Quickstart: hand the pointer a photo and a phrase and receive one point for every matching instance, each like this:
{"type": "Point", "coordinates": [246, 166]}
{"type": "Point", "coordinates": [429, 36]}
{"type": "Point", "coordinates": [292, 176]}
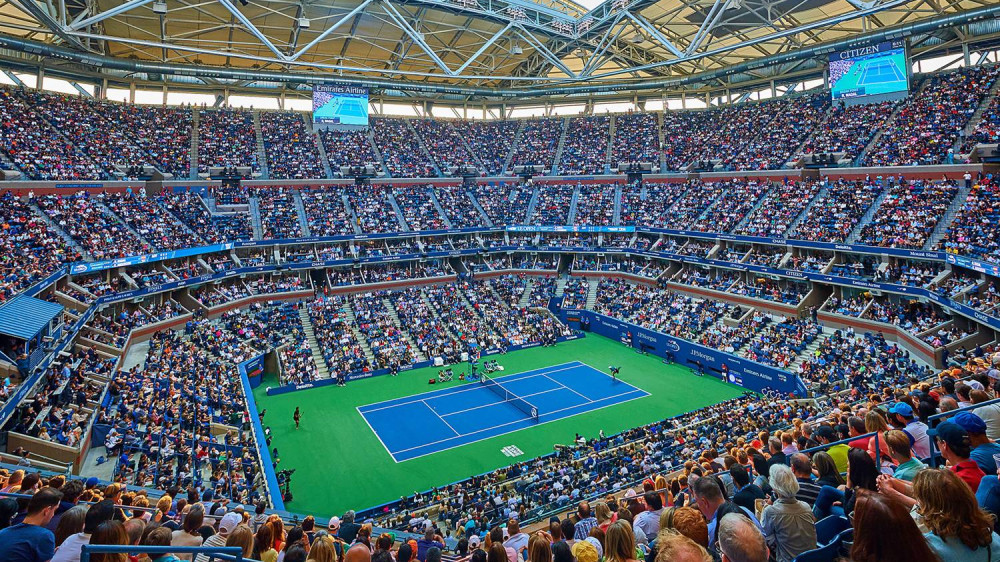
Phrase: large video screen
{"type": "Point", "coordinates": [340, 105]}
{"type": "Point", "coordinates": [870, 71]}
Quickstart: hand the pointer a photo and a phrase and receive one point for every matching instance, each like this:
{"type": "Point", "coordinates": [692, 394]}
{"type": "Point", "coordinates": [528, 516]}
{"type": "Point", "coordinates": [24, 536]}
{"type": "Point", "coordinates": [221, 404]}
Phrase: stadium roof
{"type": "Point", "coordinates": [463, 46]}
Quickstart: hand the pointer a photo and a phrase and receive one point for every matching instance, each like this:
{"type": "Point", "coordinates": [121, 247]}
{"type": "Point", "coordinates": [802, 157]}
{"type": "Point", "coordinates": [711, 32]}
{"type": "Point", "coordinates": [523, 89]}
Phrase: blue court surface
{"type": "Point", "coordinates": [879, 73]}
{"type": "Point", "coordinates": [431, 422]}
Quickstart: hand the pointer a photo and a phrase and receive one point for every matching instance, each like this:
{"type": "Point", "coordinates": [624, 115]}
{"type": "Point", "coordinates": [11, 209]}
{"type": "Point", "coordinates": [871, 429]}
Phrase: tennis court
{"type": "Point", "coordinates": [880, 72]}
{"type": "Point", "coordinates": [431, 422]}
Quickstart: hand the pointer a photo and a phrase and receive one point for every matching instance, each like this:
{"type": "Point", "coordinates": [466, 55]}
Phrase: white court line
{"type": "Point", "coordinates": [473, 386]}
{"type": "Point", "coordinates": [491, 404]}
{"type": "Point", "coordinates": [570, 389]}
{"type": "Point", "coordinates": [377, 436]}
{"type": "Point", "coordinates": [441, 418]}
{"type": "Point", "coordinates": [644, 395]}
{"type": "Point", "coordinates": [519, 421]}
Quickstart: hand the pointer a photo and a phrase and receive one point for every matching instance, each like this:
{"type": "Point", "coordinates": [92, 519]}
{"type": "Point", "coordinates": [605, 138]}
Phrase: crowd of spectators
{"type": "Point", "coordinates": [290, 149]}
{"type": "Point", "coordinates": [85, 220]}
{"type": "Point", "coordinates": [772, 146]}
{"type": "Point", "coordinates": [372, 209]}
{"type": "Point", "coordinates": [154, 225]}
{"type": "Point", "coordinates": [491, 141]}
{"type": "Point", "coordinates": [226, 138]}
{"type": "Point", "coordinates": [908, 214]}
{"type": "Point", "coordinates": [595, 205]}
{"type": "Point", "coordinates": [338, 344]}
{"type": "Point", "coordinates": [553, 205]}
{"type": "Point", "coordinates": [326, 213]}
{"type": "Point", "coordinates": [29, 249]}
{"type": "Point", "coordinates": [389, 346]}
{"type": "Point", "coordinates": [212, 228]}
{"type": "Point", "coordinates": [973, 231]}
{"type": "Point", "coordinates": [849, 128]}
{"type": "Point", "coordinates": [458, 207]}
{"type": "Point", "coordinates": [348, 148]}
{"type": "Point", "coordinates": [924, 130]}
{"type": "Point", "coordinates": [418, 208]}
{"type": "Point", "coordinates": [400, 149]}
{"type": "Point", "coordinates": [780, 343]}
{"type": "Point", "coordinates": [781, 206]}
{"type": "Point", "coordinates": [586, 148]}
{"type": "Point", "coordinates": [834, 215]}
{"type": "Point", "coordinates": [443, 143]}
{"type": "Point", "coordinates": [646, 204]}
{"type": "Point", "coordinates": [537, 143]}
{"type": "Point", "coordinates": [637, 139]}
{"type": "Point", "coordinates": [738, 198]}
{"type": "Point", "coordinates": [279, 216]}
{"type": "Point", "coordinates": [36, 148]}
{"type": "Point", "coordinates": [505, 204]}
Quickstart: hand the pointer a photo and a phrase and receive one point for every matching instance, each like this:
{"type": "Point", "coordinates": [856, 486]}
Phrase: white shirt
{"type": "Point", "coordinates": [69, 550]}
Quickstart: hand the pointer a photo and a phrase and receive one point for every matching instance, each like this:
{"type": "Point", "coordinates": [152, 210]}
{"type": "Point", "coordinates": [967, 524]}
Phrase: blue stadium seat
{"type": "Point", "coordinates": [828, 528]}
{"type": "Point", "coordinates": [826, 553]}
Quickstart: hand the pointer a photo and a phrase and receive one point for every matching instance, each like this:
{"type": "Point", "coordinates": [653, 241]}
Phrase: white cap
{"type": "Point", "coordinates": [229, 522]}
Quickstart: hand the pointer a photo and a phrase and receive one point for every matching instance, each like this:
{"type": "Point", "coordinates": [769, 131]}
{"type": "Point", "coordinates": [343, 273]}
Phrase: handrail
{"type": "Point", "coordinates": [227, 553]}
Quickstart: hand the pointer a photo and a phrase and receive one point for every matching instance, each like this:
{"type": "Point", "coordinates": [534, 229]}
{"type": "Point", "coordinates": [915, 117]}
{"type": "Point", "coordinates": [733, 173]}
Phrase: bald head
{"type": "Point", "coordinates": [583, 510]}
{"type": "Point", "coordinates": [358, 553]}
{"type": "Point", "coordinates": [741, 540]}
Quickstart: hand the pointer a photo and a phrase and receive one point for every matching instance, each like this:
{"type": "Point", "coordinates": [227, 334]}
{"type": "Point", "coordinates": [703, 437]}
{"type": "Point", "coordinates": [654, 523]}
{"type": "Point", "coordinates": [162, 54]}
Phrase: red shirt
{"type": "Point", "coordinates": [969, 472]}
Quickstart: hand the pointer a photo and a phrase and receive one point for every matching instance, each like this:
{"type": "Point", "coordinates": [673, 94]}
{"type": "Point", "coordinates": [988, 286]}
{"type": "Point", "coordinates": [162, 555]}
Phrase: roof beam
{"type": "Point", "coordinates": [250, 27]}
{"type": "Point", "coordinates": [484, 46]}
{"type": "Point", "coordinates": [330, 29]}
{"type": "Point", "coordinates": [655, 33]}
{"type": "Point", "coordinates": [110, 13]}
{"type": "Point", "coordinates": [414, 35]}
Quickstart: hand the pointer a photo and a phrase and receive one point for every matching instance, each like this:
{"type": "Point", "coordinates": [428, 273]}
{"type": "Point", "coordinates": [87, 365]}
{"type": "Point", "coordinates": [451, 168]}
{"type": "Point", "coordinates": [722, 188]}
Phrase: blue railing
{"type": "Point", "coordinates": [227, 553]}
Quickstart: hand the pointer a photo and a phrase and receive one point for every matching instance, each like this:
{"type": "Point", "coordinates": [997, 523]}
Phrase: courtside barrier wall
{"type": "Point", "coordinates": [735, 370]}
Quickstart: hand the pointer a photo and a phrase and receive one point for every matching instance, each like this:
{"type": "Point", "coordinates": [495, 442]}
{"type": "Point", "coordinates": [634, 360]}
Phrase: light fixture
{"type": "Point", "coordinates": [304, 23]}
{"type": "Point", "coordinates": [516, 50]}
{"type": "Point", "coordinates": [160, 8]}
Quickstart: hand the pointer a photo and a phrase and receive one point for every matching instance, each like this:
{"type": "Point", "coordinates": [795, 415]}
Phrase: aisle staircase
{"type": "Point", "coordinates": [525, 299]}
{"type": "Point", "coordinates": [62, 233]}
{"type": "Point", "coordinates": [195, 119]}
{"type": "Point", "coordinates": [318, 139]}
{"type": "Point", "coordinates": [370, 135]}
{"type": "Point", "coordinates": [358, 334]}
{"type": "Point", "coordinates": [439, 208]}
{"type": "Point", "coordinates": [475, 203]}
{"type": "Point", "coordinates": [300, 211]}
{"type": "Point", "coordinates": [868, 216]}
{"type": "Point", "coordinates": [417, 353]}
{"type": "Point", "coordinates": [592, 293]}
{"type": "Point", "coordinates": [823, 192]}
{"type": "Point", "coordinates": [941, 228]}
{"type": "Point", "coordinates": [261, 151]}
{"type": "Point", "coordinates": [423, 147]}
{"type": "Point", "coordinates": [258, 227]}
{"type": "Point", "coordinates": [309, 331]}
{"type": "Point", "coordinates": [554, 165]}
{"type": "Point", "coordinates": [612, 124]}
{"type": "Point", "coordinates": [573, 205]}
{"type": "Point", "coordinates": [513, 147]}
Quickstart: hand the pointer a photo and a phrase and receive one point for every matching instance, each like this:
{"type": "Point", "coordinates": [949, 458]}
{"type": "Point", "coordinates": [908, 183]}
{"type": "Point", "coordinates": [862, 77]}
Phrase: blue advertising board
{"type": "Point", "coordinates": [735, 370]}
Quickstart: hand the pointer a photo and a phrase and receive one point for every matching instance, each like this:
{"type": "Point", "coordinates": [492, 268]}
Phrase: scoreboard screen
{"type": "Point", "coordinates": [872, 70]}
{"type": "Point", "coordinates": [340, 105]}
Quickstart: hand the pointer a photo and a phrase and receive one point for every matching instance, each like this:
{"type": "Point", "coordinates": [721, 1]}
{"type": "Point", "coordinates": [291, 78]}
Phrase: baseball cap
{"type": "Point", "coordinates": [951, 433]}
{"type": "Point", "coordinates": [92, 481]}
{"type": "Point", "coordinates": [334, 522]}
{"type": "Point", "coordinates": [473, 541]}
{"type": "Point", "coordinates": [970, 422]}
{"type": "Point", "coordinates": [826, 432]}
{"type": "Point", "coordinates": [902, 408]}
{"type": "Point", "coordinates": [229, 522]}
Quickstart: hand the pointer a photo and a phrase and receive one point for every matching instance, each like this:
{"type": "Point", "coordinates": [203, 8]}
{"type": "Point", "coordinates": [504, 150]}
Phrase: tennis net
{"type": "Point", "coordinates": [520, 403]}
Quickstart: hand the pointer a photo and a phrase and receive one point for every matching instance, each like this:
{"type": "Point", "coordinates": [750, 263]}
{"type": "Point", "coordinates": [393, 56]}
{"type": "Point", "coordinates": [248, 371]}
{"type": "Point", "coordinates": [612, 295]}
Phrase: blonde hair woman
{"type": "Point", "coordinates": [242, 537]}
{"type": "Point", "coordinates": [619, 543]}
{"type": "Point", "coordinates": [603, 514]}
{"type": "Point", "coordinates": [323, 550]}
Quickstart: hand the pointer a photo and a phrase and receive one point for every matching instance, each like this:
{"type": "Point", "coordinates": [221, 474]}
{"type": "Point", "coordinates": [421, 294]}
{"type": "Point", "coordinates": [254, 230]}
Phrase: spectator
{"type": "Point", "coordinates": [263, 545]}
{"type": "Point", "coordinates": [789, 525]}
{"type": "Point", "coordinates": [675, 547]}
{"type": "Point", "coordinates": [98, 513]}
{"type": "Point", "coordinates": [189, 534]}
{"type": "Point", "coordinates": [740, 540]}
{"type": "Point", "coordinates": [861, 474]}
{"type": "Point", "coordinates": [907, 466]}
{"type": "Point", "coordinates": [802, 468]}
{"type": "Point", "coordinates": [713, 505]}
{"type": "Point", "coordinates": [958, 528]}
{"type": "Point", "coordinates": [159, 536]}
{"type": "Point", "coordinates": [585, 521]}
{"type": "Point", "coordinates": [956, 447]}
{"type": "Point", "coordinates": [70, 523]}
{"type": "Point", "coordinates": [619, 543]}
{"type": "Point", "coordinates": [110, 533]}
{"type": "Point", "coordinates": [885, 532]}
{"type": "Point", "coordinates": [30, 540]}
{"type": "Point", "coordinates": [431, 540]}
{"type": "Point", "coordinates": [983, 450]}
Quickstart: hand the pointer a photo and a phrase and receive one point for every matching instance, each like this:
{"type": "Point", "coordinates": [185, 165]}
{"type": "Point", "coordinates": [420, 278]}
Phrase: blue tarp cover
{"type": "Point", "coordinates": [24, 317]}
